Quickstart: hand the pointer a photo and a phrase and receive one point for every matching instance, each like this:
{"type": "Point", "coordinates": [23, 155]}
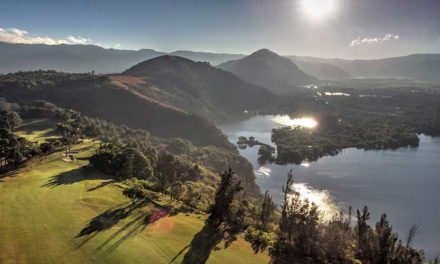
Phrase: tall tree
{"type": "Point", "coordinates": [363, 234]}
{"type": "Point", "coordinates": [176, 190]}
{"type": "Point", "coordinates": [386, 240]}
{"type": "Point", "coordinates": [267, 210]}
{"type": "Point", "coordinates": [9, 119]}
{"type": "Point", "coordinates": [284, 221]}
{"type": "Point", "coordinates": [299, 232]}
{"type": "Point", "coordinates": [224, 196]}
{"type": "Point", "coordinates": [69, 134]}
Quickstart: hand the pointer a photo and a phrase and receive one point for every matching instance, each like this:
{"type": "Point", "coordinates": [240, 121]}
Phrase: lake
{"type": "Point", "coordinates": [404, 183]}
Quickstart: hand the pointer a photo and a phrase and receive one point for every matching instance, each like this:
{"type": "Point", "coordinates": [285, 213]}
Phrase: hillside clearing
{"type": "Point", "coordinates": [37, 130]}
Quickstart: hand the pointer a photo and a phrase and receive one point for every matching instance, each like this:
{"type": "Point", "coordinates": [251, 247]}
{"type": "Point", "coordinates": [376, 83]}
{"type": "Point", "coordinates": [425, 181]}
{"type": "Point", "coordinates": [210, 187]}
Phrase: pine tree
{"type": "Point", "coordinates": [363, 234]}
{"type": "Point", "coordinates": [267, 209]}
{"type": "Point", "coordinates": [224, 197]}
{"type": "Point", "coordinates": [284, 221]}
{"type": "Point", "coordinates": [386, 240]}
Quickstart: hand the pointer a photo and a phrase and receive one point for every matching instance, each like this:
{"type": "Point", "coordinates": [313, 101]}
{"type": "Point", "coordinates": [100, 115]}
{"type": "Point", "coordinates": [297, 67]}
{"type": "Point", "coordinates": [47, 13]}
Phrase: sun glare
{"type": "Point", "coordinates": [285, 120]}
{"type": "Point", "coordinates": [318, 8]}
{"type": "Point", "coordinates": [322, 198]}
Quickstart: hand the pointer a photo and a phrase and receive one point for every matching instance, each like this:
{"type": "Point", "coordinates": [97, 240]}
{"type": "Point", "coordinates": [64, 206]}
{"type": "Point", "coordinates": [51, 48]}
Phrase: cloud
{"type": "Point", "coordinates": [372, 41]}
{"type": "Point", "coordinates": [15, 35]}
{"type": "Point", "coordinates": [78, 40]}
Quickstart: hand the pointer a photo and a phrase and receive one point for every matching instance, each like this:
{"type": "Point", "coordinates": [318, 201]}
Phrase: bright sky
{"type": "Point", "coordinates": [327, 28]}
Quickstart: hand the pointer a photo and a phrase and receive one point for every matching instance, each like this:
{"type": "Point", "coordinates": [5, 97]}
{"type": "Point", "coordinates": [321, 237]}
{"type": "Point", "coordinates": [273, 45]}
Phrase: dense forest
{"type": "Point", "coordinates": [369, 119]}
{"type": "Point", "coordinates": [97, 96]}
{"type": "Point", "coordinates": [334, 134]}
{"type": "Point", "coordinates": [14, 150]}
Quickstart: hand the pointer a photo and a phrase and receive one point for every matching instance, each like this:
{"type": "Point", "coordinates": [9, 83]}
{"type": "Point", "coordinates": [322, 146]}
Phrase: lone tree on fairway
{"type": "Point", "coordinates": [45, 148]}
{"type": "Point", "coordinates": [69, 135]}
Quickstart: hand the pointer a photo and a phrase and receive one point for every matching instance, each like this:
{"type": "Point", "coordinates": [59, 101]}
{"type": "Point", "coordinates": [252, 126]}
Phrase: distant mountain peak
{"type": "Point", "coordinates": [264, 52]}
{"type": "Point", "coordinates": [270, 70]}
{"type": "Point", "coordinates": [272, 59]}
{"type": "Point", "coordinates": [171, 58]}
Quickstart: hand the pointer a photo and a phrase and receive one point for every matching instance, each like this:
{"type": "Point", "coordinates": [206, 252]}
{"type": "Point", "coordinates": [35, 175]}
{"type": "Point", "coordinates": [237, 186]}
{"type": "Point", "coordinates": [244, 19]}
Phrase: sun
{"type": "Point", "coordinates": [318, 9]}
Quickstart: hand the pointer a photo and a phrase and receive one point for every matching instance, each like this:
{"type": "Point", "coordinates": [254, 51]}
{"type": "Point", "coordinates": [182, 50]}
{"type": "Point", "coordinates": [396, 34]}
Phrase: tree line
{"type": "Point", "coordinates": [15, 150]}
{"type": "Point", "coordinates": [297, 233]}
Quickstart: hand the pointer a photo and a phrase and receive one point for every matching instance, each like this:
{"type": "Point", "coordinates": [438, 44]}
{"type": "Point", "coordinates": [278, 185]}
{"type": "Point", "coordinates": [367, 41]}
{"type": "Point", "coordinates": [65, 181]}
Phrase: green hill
{"type": "Point", "coordinates": [269, 70]}
{"type": "Point", "coordinates": [98, 96]}
{"type": "Point", "coordinates": [195, 87]}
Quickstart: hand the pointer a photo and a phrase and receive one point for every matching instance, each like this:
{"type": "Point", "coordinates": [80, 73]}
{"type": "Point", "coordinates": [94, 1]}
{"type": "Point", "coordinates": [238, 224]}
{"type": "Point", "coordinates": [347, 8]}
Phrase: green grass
{"type": "Point", "coordinates": [46, 206]}
{"type": "Point", "coordinates": [37, 130]}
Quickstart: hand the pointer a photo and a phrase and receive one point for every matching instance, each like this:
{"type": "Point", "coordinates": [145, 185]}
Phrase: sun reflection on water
{"type": "Point", "coordinates": [285, 120]}
{"type": "Point", "coordinates": [305, 164]}
{"type": "Point", "coordinates": [322, 199]}
{"type": "Point", "coordinates": [263, 172]}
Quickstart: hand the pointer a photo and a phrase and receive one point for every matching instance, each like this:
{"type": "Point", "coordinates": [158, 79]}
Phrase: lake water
{"type": "Point", "coordinates": [404, 183]}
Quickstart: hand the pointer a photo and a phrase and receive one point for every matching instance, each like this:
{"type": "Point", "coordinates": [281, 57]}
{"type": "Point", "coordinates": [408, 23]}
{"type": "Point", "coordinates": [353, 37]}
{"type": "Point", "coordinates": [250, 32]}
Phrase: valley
{"type": "Point", "coordinates": [144, 164]}
{"type": "Point", "coordinates": [220, 132]}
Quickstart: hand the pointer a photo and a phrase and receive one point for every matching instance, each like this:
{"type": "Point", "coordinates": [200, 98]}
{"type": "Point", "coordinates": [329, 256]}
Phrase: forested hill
{"type": "Point", "coordinates": [267, 69]}
{"type": "Point", "coordinates": [196, 87]}
{"type": "Point", "coordinates": [97, 96]}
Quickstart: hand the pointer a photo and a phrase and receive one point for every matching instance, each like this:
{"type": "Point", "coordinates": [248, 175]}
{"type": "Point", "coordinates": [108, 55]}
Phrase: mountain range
{"type": "Point", "coordinates": [88, 58]}
{"type": "Point", "coordinates": [420, 67]}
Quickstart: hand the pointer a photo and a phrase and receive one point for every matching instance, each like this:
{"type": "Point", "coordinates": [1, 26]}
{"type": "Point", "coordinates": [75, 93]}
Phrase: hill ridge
{"type": "Point", "coordinates": [270, 70]}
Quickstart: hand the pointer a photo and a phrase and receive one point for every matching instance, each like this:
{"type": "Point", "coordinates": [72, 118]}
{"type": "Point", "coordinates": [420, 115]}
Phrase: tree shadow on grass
{"type": "Point", "coordinates": [102, 184]}
{"type": "Point", "coordinates": [133, 227]}
{"type": "Point", "coordinates": [37, 125]}
{"type": "Point", "coordinates": [74, 176]}
{"type": "Point", "coordinates": [108, 219]}
{"type": "Point", "coordinates": [112, 217]}
{"type": "Point", "coordinates": [179, 254]}
{"type": "Point", "coordinates": [203, 243]}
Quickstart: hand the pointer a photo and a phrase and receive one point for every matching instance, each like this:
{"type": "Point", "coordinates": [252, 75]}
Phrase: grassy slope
{"type": "Point", "coordinates": [38, 130]}
{"type": "Point", "coordinates": [44, 207]}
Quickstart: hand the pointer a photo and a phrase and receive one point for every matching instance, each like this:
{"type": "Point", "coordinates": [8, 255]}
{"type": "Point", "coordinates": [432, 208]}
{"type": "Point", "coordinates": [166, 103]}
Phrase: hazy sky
{"type": "Point", "coordinates": [353, 28]}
